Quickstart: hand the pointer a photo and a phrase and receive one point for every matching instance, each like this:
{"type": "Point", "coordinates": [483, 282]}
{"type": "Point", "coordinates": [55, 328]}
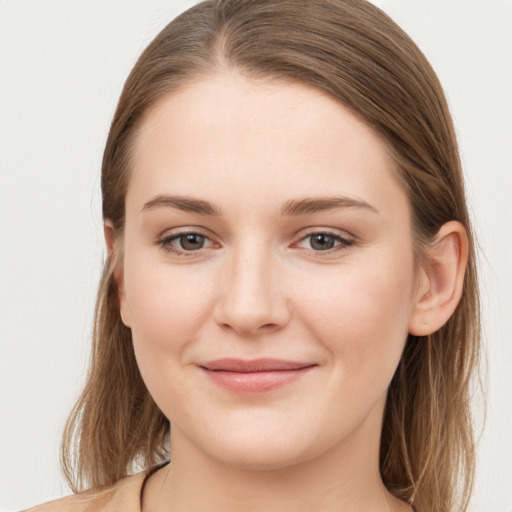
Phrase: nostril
{"type": "Point", "coordinates": [248, 327]}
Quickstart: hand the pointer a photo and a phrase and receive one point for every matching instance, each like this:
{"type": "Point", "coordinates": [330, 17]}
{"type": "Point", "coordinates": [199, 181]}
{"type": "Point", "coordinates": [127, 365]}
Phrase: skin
{"type": "Point", "coordinates": [261, 286]}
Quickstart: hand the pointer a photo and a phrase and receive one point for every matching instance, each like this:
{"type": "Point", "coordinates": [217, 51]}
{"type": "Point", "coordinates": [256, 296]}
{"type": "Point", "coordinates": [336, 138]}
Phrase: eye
{"type": "Point", "coordinates": [191, 241]}
{"type": "Point", "coordinates": [185, 242]}
{"type": "Point", "coordinates": [324, 242]}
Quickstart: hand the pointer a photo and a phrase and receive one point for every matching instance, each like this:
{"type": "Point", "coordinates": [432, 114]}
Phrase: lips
{"type": "Point", "coordinates": [255, 365]}
{"type": "Point", "coordinates": [254, 376]}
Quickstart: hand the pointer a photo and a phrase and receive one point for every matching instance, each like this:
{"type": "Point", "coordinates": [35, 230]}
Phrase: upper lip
{"type": "Point", "coordinates": [253, 365]}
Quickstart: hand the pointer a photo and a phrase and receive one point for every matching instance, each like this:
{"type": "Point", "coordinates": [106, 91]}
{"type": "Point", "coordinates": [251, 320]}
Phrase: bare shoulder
{"type": "Point", "coordinates": [83, 502]}
{"type": "Point", "coordinates": [124, 495]}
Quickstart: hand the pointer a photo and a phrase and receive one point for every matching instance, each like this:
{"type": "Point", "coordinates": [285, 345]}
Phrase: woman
{"type": "Point", "coordinates": [291, 279]}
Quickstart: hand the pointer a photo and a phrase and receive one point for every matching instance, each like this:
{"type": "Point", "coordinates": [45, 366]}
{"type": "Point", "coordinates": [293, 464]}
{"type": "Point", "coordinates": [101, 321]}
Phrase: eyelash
{"type": "Point", "coordinates": [343, 243]}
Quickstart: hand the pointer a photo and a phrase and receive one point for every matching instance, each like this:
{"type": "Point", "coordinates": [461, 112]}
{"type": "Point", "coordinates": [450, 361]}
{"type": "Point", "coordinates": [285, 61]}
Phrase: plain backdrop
{"type": "Point", "coordinates": [62, 66]}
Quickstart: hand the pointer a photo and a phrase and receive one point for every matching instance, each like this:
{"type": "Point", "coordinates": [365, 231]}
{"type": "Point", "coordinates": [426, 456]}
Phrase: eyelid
{"type": "Point", "coordinates": [345, 239]}
{"type": "Point", "coordinates": [164, 240]}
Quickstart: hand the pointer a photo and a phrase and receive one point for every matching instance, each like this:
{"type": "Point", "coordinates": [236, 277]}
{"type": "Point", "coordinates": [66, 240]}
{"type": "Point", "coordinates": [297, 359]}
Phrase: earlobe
{"type": "Point", "coordinates": [110, 238]}
{"type": "Point", "coordinates": [442, 280]}
{"type": "Point", "coordinates": [113, 250]}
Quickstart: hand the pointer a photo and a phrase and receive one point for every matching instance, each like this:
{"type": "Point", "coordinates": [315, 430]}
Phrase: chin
{"type": "Point", "coordinates": [259, 448]}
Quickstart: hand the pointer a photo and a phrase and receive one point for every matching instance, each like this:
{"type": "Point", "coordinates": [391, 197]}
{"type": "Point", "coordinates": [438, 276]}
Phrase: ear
{"type": "Point", "coordinates": [113, 244]}
{"type": "Point", "coordinates": [441, 280]}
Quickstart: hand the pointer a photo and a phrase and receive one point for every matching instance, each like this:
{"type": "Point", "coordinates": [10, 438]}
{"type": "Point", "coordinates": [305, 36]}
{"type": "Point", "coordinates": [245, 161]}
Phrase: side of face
{"type": "Point", "coordinates": [264, 221]}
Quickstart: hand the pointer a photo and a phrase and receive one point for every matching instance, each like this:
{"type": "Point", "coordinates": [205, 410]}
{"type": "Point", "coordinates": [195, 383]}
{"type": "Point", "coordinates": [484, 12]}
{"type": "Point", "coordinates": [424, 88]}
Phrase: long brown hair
{"type": "Point", "coordinates": [357, 54]}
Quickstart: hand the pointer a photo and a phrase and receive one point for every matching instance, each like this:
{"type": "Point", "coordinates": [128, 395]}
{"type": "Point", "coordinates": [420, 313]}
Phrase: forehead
{"type": "Point", "coordinates": [230, 134]}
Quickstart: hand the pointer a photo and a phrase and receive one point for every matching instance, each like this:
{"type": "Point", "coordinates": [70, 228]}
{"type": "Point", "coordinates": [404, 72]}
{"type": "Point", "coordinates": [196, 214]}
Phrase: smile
{"type": "Point", "coordinates": [256, 376]}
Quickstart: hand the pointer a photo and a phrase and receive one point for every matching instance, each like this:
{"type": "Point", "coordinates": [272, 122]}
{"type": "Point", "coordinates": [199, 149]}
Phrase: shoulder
{"type": "Point", "coordinates": [124, 495]}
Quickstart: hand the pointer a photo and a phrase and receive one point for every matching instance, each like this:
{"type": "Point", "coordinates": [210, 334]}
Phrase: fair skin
{"type": "Point", "coordinates": [330, 287]}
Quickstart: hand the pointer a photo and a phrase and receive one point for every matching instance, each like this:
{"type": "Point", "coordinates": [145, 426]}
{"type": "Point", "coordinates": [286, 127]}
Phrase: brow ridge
{"type": "Point", "coordinates": [317, 204]}
{"type": "Point", "coordinates": [184, 203]}
{"type": "Point", "coordinates": [292, 207]}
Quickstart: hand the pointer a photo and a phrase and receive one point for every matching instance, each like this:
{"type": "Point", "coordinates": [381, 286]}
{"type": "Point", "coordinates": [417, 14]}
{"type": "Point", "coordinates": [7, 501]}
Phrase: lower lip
{"type": "Point", "coordinates": [255, 382]}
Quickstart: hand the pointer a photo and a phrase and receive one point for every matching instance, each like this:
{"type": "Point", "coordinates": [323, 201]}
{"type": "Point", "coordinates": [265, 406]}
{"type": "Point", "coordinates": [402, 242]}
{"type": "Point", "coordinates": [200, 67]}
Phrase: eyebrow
{"type": "Point", "coordinates": [319, 204]}
{"type": "Point", "coordinates": [291, 207]}
{"type": "Point", "coordinates": [186, 204]}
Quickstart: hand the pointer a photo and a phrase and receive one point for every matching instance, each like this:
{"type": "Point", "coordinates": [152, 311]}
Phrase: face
{"type": "Point", "coordinates": [268, 271]}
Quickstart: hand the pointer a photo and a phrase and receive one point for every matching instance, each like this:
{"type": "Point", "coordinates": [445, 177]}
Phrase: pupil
{"type": "Point", "coordinates": [191, 242]}
{"type": "Point", "coordinates": [322, 242]}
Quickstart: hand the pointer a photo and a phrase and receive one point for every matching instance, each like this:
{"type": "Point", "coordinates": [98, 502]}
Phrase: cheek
{"type": "Point", "coordinates": [166, 305]}
{"type": "Point", "coordinates": [167, 309]}
{"type": "Point", "coordinates": [360, 314]}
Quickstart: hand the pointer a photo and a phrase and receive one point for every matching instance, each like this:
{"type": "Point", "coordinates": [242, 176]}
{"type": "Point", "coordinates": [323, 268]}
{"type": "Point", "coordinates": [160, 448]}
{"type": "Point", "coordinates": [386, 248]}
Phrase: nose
{"type": "Point", "coordinates": [252, 295]}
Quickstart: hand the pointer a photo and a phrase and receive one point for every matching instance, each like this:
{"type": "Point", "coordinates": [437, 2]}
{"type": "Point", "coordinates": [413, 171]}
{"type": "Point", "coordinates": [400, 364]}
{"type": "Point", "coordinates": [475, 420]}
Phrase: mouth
{"type": "Point", "coordinates": [254, 376]}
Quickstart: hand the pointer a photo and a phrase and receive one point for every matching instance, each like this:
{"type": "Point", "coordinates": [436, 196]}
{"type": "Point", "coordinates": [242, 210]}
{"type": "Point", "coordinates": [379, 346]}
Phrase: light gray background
{"type": "Point", "coordinates": [62, 66]}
